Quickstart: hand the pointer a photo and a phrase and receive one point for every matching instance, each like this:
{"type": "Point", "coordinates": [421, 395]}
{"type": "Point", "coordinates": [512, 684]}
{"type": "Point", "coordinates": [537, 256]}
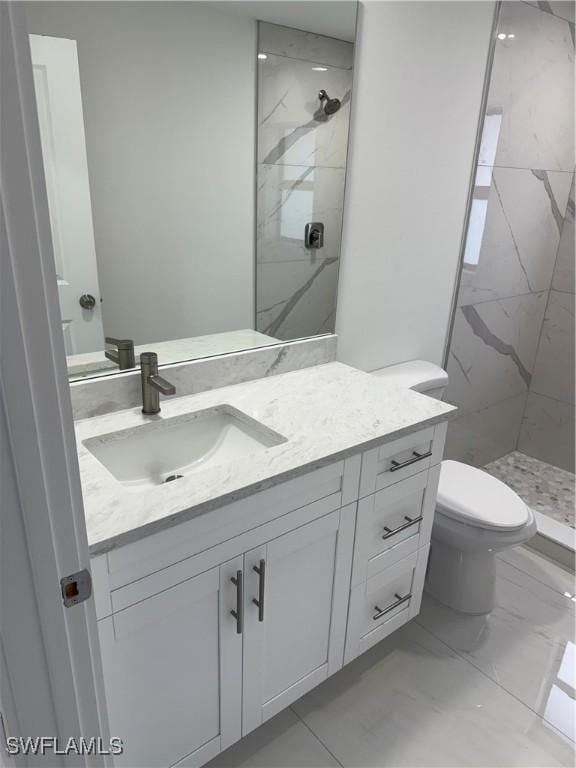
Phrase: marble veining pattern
{"type": "Point", "coordinates": [297, 298]}
{"type": "Point", "coordinates": [325, 413]}
{"type": "Point", "coordinates": [563, 278]}
{"type": "Point", "coordinates": [291, 127]}
{"type": "Point", "coordinates": [554, 367]}
{"type": "Point", "coordinates": [483, 332]}
{"type": "Point", "coordinates": [511, 361]}
{"type": "Point", "coordinates": [544, 177]}
{"type": "Point", "coordinates": [288, 198]}
{"type": "Point", "coordinates": [532, 87]}
{"type": "Point", "coordinates": [94, 397]}
{"type": "Point", "coordinates": [521, 232]}
{"type": "Point", "coordinates": [564, 9]}
{"type": "Point", "coordinates": [548, 426]}
{"type": "Point", "coordinates": [543, 487]}
{"type": "Point", "coordinates": [493, 350]}
{"type": "Point", "coordinates": [301, 175]}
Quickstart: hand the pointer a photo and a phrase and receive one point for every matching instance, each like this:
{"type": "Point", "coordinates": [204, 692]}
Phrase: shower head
{"type": "Point", "coordinates": [327, 105]}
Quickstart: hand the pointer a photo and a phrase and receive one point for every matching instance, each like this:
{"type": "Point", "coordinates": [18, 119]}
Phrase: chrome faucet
{"type": "Point", "coordinates": [152, 384]}
{"type": "Point", "coordinates": [124, 357]}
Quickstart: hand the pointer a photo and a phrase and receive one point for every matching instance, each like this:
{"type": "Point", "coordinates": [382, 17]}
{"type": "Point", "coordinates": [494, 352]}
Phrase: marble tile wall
{"type": "Point", "coordinates": [547, 430]}
{"type": "Point", "coordinates": [301, 175]}
{"type": "Point", "coordinates": [513, 335]}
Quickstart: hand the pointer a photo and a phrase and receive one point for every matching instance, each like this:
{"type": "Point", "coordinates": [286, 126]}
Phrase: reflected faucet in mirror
{"type": "Point", "coordinates": [152, 384]}
{"type": "Point", "coordinates": [123, 356]}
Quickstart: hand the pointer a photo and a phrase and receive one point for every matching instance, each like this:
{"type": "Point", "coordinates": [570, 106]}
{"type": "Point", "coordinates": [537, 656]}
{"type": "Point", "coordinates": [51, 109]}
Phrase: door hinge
{"type": "Point", "coordinates": [76, 587]}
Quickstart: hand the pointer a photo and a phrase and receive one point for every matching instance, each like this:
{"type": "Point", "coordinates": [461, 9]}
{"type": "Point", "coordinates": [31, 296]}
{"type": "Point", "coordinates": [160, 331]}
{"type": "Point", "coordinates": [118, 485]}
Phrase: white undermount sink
{"type": "Point", "coordinates": [168, 449]}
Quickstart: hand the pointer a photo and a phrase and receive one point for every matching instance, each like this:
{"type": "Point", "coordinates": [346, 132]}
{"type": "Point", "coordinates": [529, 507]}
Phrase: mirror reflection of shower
{"type": "Point", "coordinates": [302, 147]}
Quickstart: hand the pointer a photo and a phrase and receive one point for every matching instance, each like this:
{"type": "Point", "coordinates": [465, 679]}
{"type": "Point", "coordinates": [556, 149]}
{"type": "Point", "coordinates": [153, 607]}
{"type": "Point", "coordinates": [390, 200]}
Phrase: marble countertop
{"type": "Point", "coordinates": [326, 412]}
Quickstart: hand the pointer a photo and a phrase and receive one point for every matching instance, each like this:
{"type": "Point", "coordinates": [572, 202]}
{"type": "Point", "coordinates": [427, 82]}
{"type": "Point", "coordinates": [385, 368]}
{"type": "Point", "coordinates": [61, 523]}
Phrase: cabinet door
{"type": "Point", "coordinates": [172, 670]}
{"type": "Point", "coordinates": [293, 639]}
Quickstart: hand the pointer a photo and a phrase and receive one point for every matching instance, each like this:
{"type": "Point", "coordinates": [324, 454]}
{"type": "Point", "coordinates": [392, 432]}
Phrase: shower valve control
{"type": "Point", "coordinates": [314, 235]}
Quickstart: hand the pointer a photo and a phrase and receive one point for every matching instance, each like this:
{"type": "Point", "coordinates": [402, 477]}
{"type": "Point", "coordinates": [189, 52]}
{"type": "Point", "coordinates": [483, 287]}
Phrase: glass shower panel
{"type": "Point", "coordinates": [511, 354]}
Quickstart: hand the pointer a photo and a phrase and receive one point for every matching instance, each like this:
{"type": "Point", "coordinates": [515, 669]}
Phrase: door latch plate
{"type": "Point", "coordinates": [76, 587]}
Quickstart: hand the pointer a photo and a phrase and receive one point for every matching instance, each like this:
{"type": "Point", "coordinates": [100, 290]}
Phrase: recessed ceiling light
{"type": "Point", "coordinates": [320, 69]}
{"type": "Point", "coordinates": [512, 35]}
{"type": "Point", "coordinates": [262, 56]}
{"type": "Point", "coordinates": [502, 36]}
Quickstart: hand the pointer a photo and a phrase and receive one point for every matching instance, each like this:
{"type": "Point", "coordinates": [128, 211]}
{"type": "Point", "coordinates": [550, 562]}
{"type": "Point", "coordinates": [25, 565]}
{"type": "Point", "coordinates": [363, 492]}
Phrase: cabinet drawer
{"type": "Point", "coordinates": [383, 603]}
{"type": "Point", "coordinates": [159, 581]}
{"type": "Point", "coordinates": [328, 488]}
{"type": "Point", "coordinates": [390, 463]}
{"type": "Point", "coordinates": [394, 523]}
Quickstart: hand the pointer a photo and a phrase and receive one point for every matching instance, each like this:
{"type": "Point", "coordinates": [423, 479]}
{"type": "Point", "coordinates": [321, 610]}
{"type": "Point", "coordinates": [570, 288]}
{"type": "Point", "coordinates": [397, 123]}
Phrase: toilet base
{"type": "Point", "coordinates": [465, 581]}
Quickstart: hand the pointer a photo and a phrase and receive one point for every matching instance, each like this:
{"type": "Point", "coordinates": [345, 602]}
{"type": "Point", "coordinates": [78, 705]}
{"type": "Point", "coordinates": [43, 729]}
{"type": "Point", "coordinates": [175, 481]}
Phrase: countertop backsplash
{"type": "Point", "coordinates": [107, 394]}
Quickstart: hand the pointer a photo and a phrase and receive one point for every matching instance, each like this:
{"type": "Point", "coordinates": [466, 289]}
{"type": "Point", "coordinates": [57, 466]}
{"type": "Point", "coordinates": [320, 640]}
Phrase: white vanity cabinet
{"type": "Point", "coordinates": [173, 672]}
{"type": "Point", "coordinates": [191, 669]}
{"type": "Point", "coordinates": [214, 625]}
{"type": "Point", "coordinates": [295, 601]}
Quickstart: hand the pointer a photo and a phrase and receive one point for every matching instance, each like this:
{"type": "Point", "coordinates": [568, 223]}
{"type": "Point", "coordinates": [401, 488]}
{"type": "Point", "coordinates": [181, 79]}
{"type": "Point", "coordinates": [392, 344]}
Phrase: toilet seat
{"type": "Point", "coordinates": [472, 496]}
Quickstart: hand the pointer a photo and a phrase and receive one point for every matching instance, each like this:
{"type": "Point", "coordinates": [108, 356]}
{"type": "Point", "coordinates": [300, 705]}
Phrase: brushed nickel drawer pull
{"type": "Point", "coordinates": [396, 465]}
{"type": "Point", "coordinates": [383, 611]}
{"type": "Point", "coordinates": [393, 531]}
{"type": "Point", "coordinates": [239, 612]}
{"type": "Point", "coordinates": [261, 571]}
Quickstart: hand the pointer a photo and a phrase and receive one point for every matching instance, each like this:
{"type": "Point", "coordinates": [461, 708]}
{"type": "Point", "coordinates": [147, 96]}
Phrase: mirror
{"type": "Point", "coordinates": [195, 164]}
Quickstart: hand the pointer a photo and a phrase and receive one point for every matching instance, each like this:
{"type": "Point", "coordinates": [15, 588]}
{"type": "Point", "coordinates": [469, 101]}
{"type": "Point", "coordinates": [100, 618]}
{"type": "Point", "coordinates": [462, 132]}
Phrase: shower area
{"type": "Point", "coordinates": [304, 91]}
{"type": "Point", "coordinates": [511, 352]}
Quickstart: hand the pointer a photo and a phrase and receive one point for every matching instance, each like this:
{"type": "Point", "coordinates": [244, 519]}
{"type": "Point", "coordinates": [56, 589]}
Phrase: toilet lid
{"type": "Point", "coordinates": [475, 497]}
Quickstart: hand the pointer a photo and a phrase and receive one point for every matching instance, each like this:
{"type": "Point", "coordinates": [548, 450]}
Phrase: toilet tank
{"type": "Point", "coordinates": [418, 375]}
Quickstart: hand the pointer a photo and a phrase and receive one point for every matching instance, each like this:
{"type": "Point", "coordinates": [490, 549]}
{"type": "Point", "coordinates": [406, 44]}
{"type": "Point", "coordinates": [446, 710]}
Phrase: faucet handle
{"type": "Point", "coordinates": [124, 357]}
{"type": "Point", "coordinates": [160, 384]}
{"type": "Point", "coordinates": [120, 343]}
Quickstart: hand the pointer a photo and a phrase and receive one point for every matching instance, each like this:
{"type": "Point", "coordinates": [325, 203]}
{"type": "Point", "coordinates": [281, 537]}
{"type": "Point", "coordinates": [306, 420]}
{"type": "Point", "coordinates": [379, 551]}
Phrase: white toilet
{"type": "Point", "coordinates": [476, 514]}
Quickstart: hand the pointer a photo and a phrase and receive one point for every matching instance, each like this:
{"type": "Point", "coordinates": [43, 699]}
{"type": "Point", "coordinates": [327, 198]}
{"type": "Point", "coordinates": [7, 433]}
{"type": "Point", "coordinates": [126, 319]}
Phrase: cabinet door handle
{"type": "Point", "coordinates": [383, 611]}
{"type": "Point", "coordinates": [261, 571]}
{"type": "Point", "coordinates": [393, 531]}
{"type": "Point", "coordinates": [396, 465]}
{"type": "Point", "coordinates": [239, 612]}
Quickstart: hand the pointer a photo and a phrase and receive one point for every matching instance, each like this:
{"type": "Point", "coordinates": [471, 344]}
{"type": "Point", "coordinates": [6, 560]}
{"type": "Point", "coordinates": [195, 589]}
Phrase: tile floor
{"type": "Point", "coordinates": [445, 690]}
{"type": "Point", "coordinates": [543, 487]}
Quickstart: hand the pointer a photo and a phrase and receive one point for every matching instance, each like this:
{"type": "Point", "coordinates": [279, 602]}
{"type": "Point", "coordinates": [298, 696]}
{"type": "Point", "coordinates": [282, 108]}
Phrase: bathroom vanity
{"type": "Point", "coordinates": [227, 593]}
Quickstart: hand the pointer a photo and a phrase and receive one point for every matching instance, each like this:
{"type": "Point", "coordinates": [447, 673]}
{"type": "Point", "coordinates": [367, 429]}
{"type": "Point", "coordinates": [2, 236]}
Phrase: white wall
{"type": "Point", "coordinates": [169, 94]}
{"type": "Point", "coordinates": [419, 75]}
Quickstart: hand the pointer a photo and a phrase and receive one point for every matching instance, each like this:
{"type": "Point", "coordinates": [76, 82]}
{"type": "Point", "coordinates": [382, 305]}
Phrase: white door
{"type": "Point", "coordinates": [172, 672]}
{"type": "Point", "coordinates": [49, 533]}
{"type": "Point", "coordinates": [59, 104]}
{"type": "Point", "coordinates": [294, 638]}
